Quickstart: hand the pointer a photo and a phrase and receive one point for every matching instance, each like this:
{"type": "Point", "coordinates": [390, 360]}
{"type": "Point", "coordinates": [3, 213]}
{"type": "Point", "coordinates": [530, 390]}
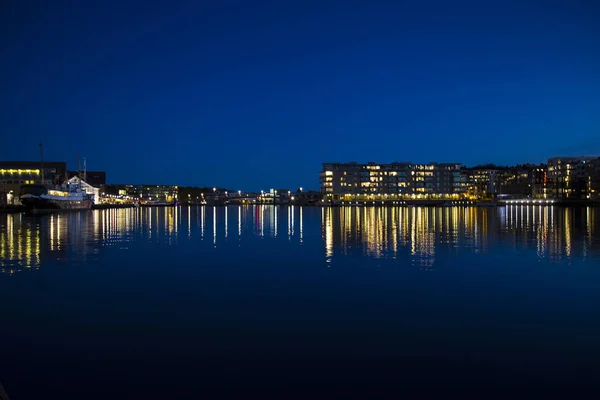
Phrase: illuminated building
{"type": "Point", "coordinates": [574, 178]}
{"type": "Point", "coordinates": [522, 181]}
{"type": "Point", "coordinates": [437, 181]}
{"type": "Point", "coordinates": [152, 192]}
{"type": "Point", "coordinates": [13, 174]}
{"type": "Point", "coordinates": [395, 178]}
{"type": "Point", "coordinates": [490, 181]}
{"type": "Point", "coordinates": [94, 178]}
{"type": "Point", "coordinates": [480, 181]}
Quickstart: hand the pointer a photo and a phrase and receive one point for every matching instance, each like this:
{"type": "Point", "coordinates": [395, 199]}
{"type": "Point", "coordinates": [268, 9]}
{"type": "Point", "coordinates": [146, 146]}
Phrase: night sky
{"type": "Point", "coordinates": [252, 95]}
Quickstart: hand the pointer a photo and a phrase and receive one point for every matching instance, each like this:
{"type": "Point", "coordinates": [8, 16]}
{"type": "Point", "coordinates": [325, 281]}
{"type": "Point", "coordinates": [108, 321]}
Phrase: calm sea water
{"type": "Point", "coordinates": [205, 302]}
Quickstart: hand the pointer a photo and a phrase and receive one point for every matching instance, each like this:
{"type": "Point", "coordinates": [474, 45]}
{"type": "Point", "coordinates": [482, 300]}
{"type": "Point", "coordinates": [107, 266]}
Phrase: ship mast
{"type": "Point", "coordinates": [42, 161]}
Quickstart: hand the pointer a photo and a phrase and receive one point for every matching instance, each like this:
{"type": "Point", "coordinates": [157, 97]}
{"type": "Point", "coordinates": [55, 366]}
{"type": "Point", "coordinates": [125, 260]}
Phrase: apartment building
{"type": "Point", "coordinates": [574, 178]}
{"type": "Point", "coordinates": [399, 178]}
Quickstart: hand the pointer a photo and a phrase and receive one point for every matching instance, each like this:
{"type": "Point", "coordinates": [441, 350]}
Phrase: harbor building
{"type": "Point", "coordinates": [13, 174]}
{"type": "Point", "coordinates": [164, 193]}
{"type": "Point", "coordinates": [522, 181]}
{"type": "Point", "coordinates": [93, 178]}
{"type": "Point", "coordinates": [433, 180]}
{"type": "Point", "coordinates": [574, 178]}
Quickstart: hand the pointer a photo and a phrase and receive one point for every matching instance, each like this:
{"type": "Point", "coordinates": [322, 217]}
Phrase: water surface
{"type": "Point", "coordinates": [212, 301]}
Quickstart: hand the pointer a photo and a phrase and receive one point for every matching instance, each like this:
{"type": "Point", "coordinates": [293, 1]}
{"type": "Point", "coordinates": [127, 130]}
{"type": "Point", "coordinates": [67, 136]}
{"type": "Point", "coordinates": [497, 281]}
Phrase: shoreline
{"type": "Point", "coordinates": [416, 203]}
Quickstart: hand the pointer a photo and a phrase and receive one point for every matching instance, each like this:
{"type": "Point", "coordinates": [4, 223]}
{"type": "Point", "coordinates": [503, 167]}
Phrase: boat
{"type": "Point", "coordinates": [73, 194]}
{"type": "Point", "coordinates": [69, 196]}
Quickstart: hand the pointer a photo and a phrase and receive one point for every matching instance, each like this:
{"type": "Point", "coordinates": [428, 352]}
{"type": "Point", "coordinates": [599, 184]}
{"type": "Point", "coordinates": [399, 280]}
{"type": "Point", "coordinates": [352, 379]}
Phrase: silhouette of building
{"type": "Point", "coordinates": [398, 178]}
{"type": "Point", "coordinates": [574, 178]}
{"type": "Point", "coordinates": [13, 174]}
{"type": "Point", "coordinates": [94, 178]}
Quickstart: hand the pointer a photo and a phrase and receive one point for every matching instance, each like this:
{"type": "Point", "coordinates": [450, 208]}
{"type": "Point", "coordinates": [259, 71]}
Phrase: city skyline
{"type": "Point", "coordinates": [73, 171]}
{"type": "Point", "coordinates": [259, 94]}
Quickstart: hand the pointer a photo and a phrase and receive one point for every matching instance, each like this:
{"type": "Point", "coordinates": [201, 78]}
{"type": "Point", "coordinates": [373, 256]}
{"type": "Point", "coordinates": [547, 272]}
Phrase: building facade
{"type": "Point", "coordinates": [439, 180]}
{"type": "Point", "coordinates": [522, 181]}
{"type": "Point", "coordinates": [398, 178]}
{"type": "Point", "coordinates": [574, 178]}
{"type": "Point", "coordinates": [13, 174]}
{"type": "Point", "coordinates": [93, 178]}
{"type": "Point", "coordinates": [151, 192]}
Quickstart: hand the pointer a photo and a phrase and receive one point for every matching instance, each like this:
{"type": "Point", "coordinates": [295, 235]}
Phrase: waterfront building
{"type": "Point", "coordinates": [309, 197]}
{"type": "Point", "coordinates": [481, 181]}
{"type": "Point", "coordinates": [151, 192]}
{"type": "Point", "coordinates": [398, 178]}
{"type": "Point", "coordinates": [13, 174]}
{"type": "Point", "coordinates": [522, 181]}
{"type": "Point", "coordinates": [433, 181]}
{"type": "Point", "coordinates": [574, 178]}
{"type": "Point", "coordinates": [539, 187]}
{"type": "Point", "coordinates": [93, 178]}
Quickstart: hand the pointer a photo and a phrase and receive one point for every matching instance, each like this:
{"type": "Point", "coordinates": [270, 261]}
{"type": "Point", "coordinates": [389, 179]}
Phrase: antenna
{"type": "Point", "coordinates": [42, 161]}
{"type": "Point", "coordinates": [84, 170]}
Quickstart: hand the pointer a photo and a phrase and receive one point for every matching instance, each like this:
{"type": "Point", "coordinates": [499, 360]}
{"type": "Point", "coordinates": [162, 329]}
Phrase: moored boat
{"type": "Point", "coordinates": [39, 198]}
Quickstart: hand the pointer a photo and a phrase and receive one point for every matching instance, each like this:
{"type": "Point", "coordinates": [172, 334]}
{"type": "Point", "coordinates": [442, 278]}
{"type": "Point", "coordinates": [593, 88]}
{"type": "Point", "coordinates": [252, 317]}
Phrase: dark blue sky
{"type": "Point", "coordinates": [252, 94]}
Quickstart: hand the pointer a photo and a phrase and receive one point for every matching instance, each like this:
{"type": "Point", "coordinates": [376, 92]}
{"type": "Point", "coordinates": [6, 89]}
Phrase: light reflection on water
{"type": "Point", "coordinates": [406, 233]}
{"type": "Point", "coordinates": [158, 294]}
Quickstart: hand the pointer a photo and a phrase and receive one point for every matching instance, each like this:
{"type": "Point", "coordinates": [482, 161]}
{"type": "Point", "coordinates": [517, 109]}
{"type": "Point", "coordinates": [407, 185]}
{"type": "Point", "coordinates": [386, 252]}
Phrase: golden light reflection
{"type": "Point", "coordinates": [567, 216]}
{"type": "Point", "coordinates": [20, 244]}
{"type": "Point", "coordinates": [418, 236]}
{"type": "Point", "coordinates": [262, 220]}
{"type": "Point", "coordinates": [417, 233]}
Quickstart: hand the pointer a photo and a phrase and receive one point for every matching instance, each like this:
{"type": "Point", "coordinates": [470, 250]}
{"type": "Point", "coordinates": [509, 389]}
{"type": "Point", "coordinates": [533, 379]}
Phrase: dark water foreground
{"type": "Point", "coordinates": [214, 302]}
